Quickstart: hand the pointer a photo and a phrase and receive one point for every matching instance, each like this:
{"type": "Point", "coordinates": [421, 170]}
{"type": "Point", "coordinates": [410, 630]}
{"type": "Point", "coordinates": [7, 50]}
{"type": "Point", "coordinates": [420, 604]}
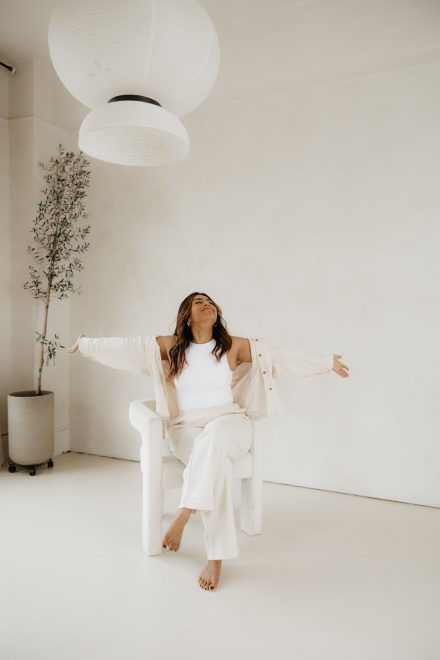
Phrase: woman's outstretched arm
{"type": "Point", "coordinates": [287, 362]}
{"type": "Point", "coordinates": [126, 353]}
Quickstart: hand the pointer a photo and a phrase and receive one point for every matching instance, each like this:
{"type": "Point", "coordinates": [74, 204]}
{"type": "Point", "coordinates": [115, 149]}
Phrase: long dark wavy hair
{"type": "Point", "coordinates": [183, 332]}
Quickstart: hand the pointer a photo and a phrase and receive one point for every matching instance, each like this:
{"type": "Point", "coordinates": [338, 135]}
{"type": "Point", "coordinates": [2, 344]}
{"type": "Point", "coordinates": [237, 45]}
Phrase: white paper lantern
{"type": "Point", "coordinates": [139, 64]}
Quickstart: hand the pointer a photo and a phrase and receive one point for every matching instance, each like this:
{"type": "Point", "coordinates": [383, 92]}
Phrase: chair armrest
{"type": "Point", "coordinates": [256, 448]}
{"type": "Point", "coordinates": [141, 413]}
{"type": "Point", "coordinates": [151, 427]}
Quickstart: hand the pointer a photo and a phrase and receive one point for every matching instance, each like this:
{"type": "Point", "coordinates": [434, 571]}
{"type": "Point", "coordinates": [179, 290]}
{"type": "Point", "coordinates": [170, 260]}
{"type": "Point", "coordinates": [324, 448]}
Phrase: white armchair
{"type": "Point", "coordinates": [161, 470]}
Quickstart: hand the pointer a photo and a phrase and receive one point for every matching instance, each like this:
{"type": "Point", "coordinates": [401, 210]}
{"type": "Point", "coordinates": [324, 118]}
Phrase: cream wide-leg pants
{"type": "Point", "coordinates": [208, 441]}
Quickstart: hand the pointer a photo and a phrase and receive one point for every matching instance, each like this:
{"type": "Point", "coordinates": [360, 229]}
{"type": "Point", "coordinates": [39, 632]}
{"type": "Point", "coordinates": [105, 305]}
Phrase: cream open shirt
{"type": "Point", "coordinates": [253, 385]}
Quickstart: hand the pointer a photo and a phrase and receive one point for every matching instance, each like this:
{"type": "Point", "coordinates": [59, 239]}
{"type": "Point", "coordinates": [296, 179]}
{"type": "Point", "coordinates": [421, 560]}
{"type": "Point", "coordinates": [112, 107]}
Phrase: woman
{"type": "Point", "coordinates": [207, 410]}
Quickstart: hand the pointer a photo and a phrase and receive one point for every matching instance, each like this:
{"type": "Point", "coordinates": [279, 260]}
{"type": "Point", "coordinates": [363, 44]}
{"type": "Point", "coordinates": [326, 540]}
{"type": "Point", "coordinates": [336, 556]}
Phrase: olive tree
{"type": "Point", "coordinates": [59, 239]}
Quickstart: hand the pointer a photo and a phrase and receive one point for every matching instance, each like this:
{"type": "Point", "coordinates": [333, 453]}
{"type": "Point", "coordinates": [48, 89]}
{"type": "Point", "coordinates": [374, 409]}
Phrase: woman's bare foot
{"type": "Point", "coordinates": [208, 578]}
{"type": "Point", "coordinates": [171, 540]}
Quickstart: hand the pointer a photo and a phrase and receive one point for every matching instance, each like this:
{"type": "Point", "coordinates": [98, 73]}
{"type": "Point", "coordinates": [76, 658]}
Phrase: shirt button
{"type": "Point", "coordinates": [270, 388]}
{"type": "Point", "coordinates": [264, 372]}
{"type": "Point", "coordinates": [259, 354]}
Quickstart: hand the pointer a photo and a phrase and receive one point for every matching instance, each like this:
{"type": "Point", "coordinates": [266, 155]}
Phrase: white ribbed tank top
{"type": "Point", "coordinates": [203, 382]}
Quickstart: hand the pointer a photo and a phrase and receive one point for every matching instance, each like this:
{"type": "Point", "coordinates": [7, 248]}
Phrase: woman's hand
{"type": "Point", "coordinates": [75, 346]}
{"type": "Point", "coordinates": [339, 367]}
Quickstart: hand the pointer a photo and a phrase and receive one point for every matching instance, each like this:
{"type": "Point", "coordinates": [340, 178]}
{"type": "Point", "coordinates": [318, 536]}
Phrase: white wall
{"type": "Point", "coordinates": [308, 209]}
{"type": "Point", "coordinates": [5, 300]}
{"type": "Point", "coordinates": [309, 215]}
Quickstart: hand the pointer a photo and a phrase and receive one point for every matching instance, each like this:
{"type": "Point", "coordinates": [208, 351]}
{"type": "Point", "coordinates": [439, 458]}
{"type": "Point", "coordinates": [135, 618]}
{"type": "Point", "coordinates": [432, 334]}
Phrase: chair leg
{"type": "Point", "coordinates": [152, 494]}
{"type": "Point", "coordinates": [151, 518]}
{"type": "Point", "coordinates": [251, 510]}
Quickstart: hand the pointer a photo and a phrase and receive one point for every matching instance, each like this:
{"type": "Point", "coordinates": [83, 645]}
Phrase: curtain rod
{"type": "Point", "coordinates": [10, 68]}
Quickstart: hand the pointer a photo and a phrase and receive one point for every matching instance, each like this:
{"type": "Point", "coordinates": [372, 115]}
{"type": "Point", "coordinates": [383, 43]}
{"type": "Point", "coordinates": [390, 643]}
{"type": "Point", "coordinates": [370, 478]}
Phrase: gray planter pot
{"type": "Point", "coordinates": [31, 427]}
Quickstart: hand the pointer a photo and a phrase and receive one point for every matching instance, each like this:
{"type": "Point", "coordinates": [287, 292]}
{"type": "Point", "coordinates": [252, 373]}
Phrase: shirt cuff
{"type": "Point", "coordinates": [82, 346]}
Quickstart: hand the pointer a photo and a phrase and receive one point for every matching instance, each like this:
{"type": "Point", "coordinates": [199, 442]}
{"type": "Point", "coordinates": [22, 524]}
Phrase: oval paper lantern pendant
{"type": "Point", "coordinates": [139, 64]}
{"type": "Point", "coordinates": [133, 132]}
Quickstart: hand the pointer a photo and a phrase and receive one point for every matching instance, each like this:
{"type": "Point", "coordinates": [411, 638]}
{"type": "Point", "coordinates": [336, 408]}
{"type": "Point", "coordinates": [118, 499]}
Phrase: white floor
{"type": "Point", "coordinates": [332, 577]}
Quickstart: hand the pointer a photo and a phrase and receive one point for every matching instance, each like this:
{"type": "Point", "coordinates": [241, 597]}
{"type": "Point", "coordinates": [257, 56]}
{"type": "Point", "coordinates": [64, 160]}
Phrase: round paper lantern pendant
{"type": "Point", "coordinates": [139, 64]}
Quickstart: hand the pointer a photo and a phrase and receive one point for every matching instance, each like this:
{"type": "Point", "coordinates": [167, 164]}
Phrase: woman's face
{"type": "Point", "coordinates": [202, 309]}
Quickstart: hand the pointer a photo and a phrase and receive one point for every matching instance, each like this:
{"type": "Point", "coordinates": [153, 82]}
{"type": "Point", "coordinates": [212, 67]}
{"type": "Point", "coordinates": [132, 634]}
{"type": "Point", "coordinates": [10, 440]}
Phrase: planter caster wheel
{"type": "Point", "coordinates": [33, 472]}
{"type": "Point", "coordinates": [12, 468]}
{"type": "Point", "coordinates": [49, 464]}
